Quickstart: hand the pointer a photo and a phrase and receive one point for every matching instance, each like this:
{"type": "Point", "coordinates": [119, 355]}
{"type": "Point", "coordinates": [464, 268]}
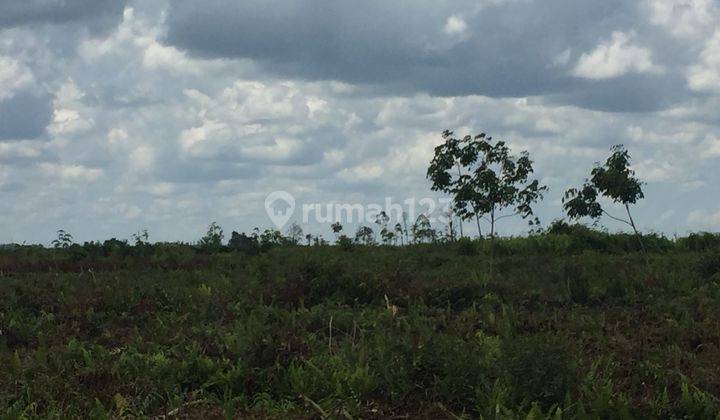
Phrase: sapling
{"type": "Point", "coordinates": [615, 180]}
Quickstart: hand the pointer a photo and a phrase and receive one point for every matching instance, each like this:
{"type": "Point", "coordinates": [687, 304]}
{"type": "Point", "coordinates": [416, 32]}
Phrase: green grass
{"type": "Point", "coordinates": [559, 331]}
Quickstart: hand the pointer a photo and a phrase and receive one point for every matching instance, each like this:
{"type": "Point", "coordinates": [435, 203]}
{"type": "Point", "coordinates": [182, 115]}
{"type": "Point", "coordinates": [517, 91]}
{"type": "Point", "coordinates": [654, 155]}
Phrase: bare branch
{"type": "Point", "coordinates": [505, 216]}
{"type": "Point", "coordinates": [617, 218]}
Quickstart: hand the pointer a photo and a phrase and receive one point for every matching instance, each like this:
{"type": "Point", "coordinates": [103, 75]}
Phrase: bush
{"type": "Point", "coordinates": [708, 265]}
{"type": "Point", "coordinates": [172, 254]}
{"type": "Point", "coordinates": [701, 241]}
{"type": "Point", "coordinates": [345, 242]}
{"type": "Point", "coordinates": [467, 247]}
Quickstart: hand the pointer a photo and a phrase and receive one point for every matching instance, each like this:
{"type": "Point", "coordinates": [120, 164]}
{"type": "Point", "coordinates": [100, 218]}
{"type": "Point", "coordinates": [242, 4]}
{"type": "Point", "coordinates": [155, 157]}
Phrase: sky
{"type": "Point", "coordinates": [122, 115]}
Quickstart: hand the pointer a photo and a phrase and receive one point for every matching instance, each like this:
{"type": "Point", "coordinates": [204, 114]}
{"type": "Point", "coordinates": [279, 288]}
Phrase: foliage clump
{"type": "Point", "coordinates": [484, 178]}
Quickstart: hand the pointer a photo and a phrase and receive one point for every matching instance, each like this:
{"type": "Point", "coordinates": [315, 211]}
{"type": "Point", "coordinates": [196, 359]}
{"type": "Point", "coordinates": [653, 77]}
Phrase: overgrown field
{"type": "Point", "coordinates": [424, 331]}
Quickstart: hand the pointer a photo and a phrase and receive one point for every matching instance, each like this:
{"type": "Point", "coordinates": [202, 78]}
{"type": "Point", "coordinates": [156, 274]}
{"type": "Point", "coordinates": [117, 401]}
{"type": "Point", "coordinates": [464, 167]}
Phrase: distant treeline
{"type": "Point", "coordinates": [559, 238]}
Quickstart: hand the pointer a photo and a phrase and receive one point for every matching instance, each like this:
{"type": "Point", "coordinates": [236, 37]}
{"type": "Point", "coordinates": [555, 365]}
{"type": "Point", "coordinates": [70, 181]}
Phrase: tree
{"type": "Point", "coordinates": [212, 241]}
{"type": "Point", "coordinates": [345, 242]}
{"type": "Point", "coordinates": [365, 236]}
{"type": "Point", "coordinates": [405, 227]}
{"type": "Point", "coordinates": [295, 233]}
{"type": "Point", "coordinates": [244, 243]}
{"type": "Point", "coordinates": [450, 234]}
{"type": "Point", "coordinates": [64, 240]}
{"type": "Point", "coordinates": [484, 179]}
{"type": "Point", "coordinates": [387, 235]}
{"type": "Point", "coordinates": [141, 238]}
{"type": "Point", "coordinates": [615, 180]}
{"type": "Point", "coordinates": [270, 238]}
{"type": "Point", "coordinates": [422, 230]}
{"type": "Point", "coordinates": [399, 232]}
{"type": "Point", "coordinates": [336, 228]}
{"type": "Point", "coordinates": [319, 241]}
{"type": "Point", "coordinates": [382, 219]}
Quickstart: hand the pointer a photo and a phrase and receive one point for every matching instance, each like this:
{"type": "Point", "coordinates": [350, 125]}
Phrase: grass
{"type": "Point", "coordinates": [561, 330]}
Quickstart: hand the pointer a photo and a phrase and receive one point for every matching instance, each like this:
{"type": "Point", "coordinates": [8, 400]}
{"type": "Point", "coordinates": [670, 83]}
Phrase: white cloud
{"type": "Point", "coordinates": [279, 149]}
{"type": "Point", "coordinates": [142, 158]}
{"type": "Point", "coordinates": [683, 18]}
{"type": "Point", "coordinates": [69, 121]}
{"type": "Point", "coordinates": [71, 173]}
{"type": "Point", "coordinates": [456, 26]}
{"type": "Point", "coordinates": [362, 173]}
{"type": "Point", "coordinates": [705, 76]}
{"type": "Point", "coordinates": [615, 57]}
{"type": "Point", "coordinates": [334, 157]}
{"type": "Point", "coordinates": [68, 116]}
{"type": "Point", "coordinates": [20, 150]}
{"type": "Point", "coordinates": [68, 93]}
{"type": "Point", "coordinates": [138, 42]}
{"type": "Point", "coordinates": [253, 100]}
{"type": "Point", "coordinates": [704, 219]}
{"type": "Point", "coordinates": [117, 137]}
{"type": "Point", "coordinates": [411, 157]}
{"type": "Point", "coordinates": [205, 139]}
{"type": "Point", "coordinates": [650, 170]}
{"type": "Point", "coordinates": [131, 31]}
{"type": "Point", "coordinates": [13, 76]}
{"type": "Point", "coordinates": [160, 56]}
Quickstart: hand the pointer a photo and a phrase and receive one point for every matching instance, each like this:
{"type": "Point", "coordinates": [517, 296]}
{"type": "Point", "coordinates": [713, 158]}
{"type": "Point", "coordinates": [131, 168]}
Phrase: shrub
{"type": "Point", "coordinates": [467, 247]}
{"type": "Point", "coordinates": [700, 241]}
{"type": "Point", "coordinates": [345, 242]}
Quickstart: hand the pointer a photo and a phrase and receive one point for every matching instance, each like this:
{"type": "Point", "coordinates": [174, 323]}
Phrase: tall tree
{"type": "Point", "coordinates": [484, 179]}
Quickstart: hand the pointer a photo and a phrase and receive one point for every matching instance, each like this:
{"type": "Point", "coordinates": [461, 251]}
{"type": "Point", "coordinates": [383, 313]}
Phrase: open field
{"type": "Point", "coordinates": [562, 328]}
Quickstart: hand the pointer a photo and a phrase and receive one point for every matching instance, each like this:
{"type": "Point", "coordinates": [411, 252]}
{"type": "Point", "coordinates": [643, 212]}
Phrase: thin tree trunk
{"type": "Point", "coordinates": [461, 220]}
{"type": "Point", "coordinates": [407, 238]}
{"type": "Point", "coordinates": [637, 234]}
{"type": "Point", "coordinates": [477, 220]}
{"type": "Point", "coordinates": [492, 243]}
{"type": "Point", "coordinates": [492, 223]}
{"type": "Point", "coordinates": [451, 228]}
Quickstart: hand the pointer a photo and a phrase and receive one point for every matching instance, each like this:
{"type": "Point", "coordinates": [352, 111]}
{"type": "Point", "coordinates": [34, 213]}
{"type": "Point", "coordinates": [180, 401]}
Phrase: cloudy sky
{"type": "Point", "coordinates": [119, 115]}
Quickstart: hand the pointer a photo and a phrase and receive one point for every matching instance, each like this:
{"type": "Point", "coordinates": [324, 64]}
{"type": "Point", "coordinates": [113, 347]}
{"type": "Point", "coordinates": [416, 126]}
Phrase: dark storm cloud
{"type": "Point", "coordinates": [24, 116]}
{"type": "Point", "coordinates": [505, 50]}
{"type": "Point", "coordinates": [629, 93]}
{"type": "Point", "coordinates": [96, 13]}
